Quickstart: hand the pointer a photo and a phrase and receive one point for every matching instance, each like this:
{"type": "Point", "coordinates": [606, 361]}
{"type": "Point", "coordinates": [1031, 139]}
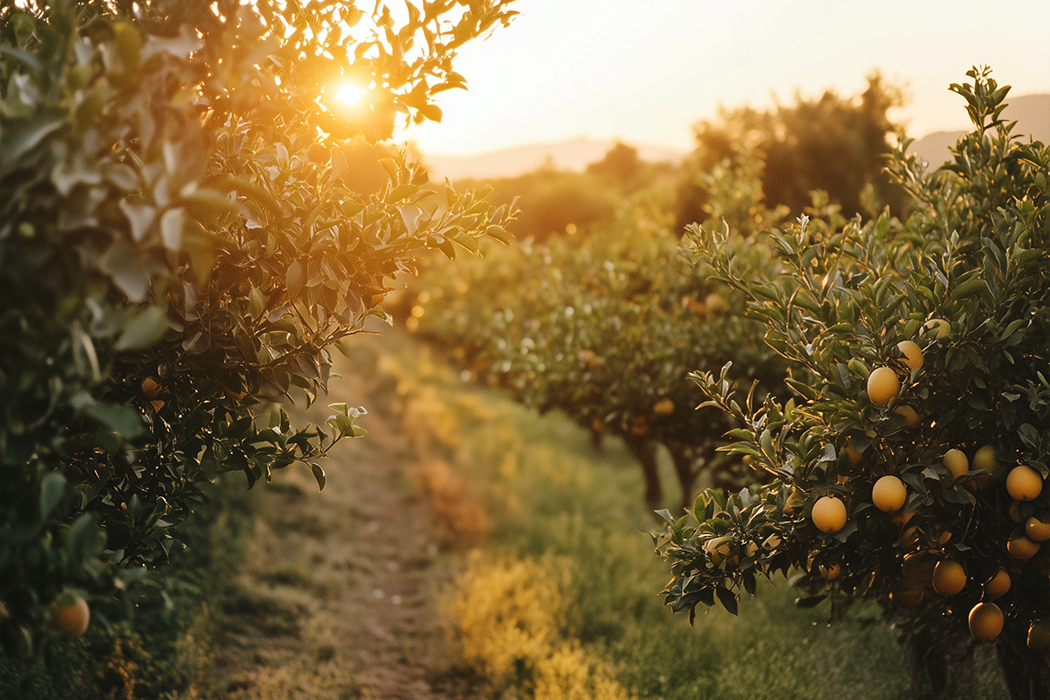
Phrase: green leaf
{"type": "Point", "coordinates": [145, 329]}
{"type": "Point", "coordinates": [22, 135]}
{"type": "Point", "coordinates": [318, 475]}
{"type": "Point", "coordinates": [123, 420]}
{"type": "Point", "coordinates": [728, 599]}
{"type": "Point", "coordinates": [52, 490]}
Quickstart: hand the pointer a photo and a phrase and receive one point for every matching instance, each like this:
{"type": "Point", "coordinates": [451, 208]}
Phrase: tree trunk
{"type": "Point", "coordinates": [685, 468]}
{"type": "Point", "coordinates": [645, 452]}
{"type": "Point", "coordinates": [939, 660]}
{"type": "Point", "coordinates": [1025, 673]}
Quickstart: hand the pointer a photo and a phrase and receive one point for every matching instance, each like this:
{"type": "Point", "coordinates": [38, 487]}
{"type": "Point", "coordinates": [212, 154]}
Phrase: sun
{"type": "Point", "coordinates": [349, 94]}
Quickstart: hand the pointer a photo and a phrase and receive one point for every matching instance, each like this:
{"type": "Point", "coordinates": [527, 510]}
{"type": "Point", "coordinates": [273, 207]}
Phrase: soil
{"type": "Point", "coordinates": [340, 594]}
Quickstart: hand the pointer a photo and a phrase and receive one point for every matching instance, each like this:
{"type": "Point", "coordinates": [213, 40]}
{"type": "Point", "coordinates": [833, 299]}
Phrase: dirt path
{"type": "Point", "coordinates": [339, 596]}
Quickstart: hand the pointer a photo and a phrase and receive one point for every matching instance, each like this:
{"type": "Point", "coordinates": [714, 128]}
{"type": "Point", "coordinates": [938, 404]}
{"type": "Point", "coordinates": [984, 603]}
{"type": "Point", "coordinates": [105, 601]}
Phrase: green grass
{"type": "Point", "coordinates": [553, 494]}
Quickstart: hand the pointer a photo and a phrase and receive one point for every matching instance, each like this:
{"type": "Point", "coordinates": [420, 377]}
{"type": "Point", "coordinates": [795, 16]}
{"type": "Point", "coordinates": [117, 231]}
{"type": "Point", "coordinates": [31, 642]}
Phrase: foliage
{"type": "Point", "coordinates": [974, 255]}
{"type": "Point", "coordinates": [179, 250]}
{"type": "Point", "coordinates": [831, 144]}
{"type": "Point", "coordinates": [605, 329]}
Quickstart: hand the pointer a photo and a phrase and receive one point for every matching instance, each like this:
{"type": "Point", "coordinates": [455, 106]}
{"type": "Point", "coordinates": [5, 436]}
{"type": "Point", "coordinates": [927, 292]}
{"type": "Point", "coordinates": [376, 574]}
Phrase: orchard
{"type": "Point", "coordinates": [912, 459]}
{"type": "Point", "coordinates": [180, 251]}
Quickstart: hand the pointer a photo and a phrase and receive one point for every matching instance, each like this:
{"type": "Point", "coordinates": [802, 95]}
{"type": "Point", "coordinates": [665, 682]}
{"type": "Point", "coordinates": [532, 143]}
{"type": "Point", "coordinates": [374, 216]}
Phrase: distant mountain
{"type": "Point", "coordinates": [573, 155]}
{"type": "Point", "coordinates": [1031, 112]}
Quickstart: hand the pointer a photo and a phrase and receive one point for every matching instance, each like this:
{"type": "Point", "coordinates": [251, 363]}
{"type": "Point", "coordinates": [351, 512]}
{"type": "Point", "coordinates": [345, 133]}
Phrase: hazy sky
{"type": "Point", "coordinates": [644, 71]}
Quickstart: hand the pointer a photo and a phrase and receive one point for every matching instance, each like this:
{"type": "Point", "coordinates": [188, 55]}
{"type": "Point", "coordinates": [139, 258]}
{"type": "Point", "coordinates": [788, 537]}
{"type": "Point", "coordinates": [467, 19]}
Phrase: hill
{"type": "Point", "coordinates": [1031, 112]}
{"type": "Point", "coordinates": [572, 155]}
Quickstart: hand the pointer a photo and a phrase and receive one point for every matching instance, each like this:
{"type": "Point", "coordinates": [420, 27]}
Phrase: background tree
{"type": "Point", "coordinates": [605, 329]}
{"type": "Point", "coordinates": [910, 470]}
{"type": "Point", "coordinates": [179, 250]}
{"type": "Point", "coordinates": [831, 144]}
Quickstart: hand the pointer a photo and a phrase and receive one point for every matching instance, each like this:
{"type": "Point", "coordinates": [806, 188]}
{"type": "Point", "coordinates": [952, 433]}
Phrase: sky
{"type": "Point", "coordinates": [645, 71]}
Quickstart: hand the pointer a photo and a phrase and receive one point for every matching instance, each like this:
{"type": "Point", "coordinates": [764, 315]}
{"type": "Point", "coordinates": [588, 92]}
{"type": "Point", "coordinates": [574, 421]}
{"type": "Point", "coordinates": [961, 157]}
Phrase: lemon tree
{"type": "Point", "coordinates": [605, 327]}
{"type": "Point", "coordinates": [181, 247]}
{"type": "Point", "coordinates": [948, 313]}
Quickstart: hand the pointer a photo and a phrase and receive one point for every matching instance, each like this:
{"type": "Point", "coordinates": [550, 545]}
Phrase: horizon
{"type": "Point", "coordinates": [544, 81]}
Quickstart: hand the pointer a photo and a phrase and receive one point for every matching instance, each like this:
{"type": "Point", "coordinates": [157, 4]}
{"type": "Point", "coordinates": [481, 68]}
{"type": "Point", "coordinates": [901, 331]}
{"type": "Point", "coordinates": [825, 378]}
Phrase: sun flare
{"type": "Point", "coordinates": [349, 94]}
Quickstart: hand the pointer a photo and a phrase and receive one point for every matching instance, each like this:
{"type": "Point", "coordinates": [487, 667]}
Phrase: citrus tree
{"type": "Point", "coordinates": [181, 245]}
{"type": "Point", "coordinates": [605, 327]}
{"type": "Point", "coordinates": [910, 470]}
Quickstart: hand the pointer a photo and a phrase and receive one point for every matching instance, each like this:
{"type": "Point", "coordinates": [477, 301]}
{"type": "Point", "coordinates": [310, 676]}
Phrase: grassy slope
{"type": "Point", "coordinates": [552, 494]}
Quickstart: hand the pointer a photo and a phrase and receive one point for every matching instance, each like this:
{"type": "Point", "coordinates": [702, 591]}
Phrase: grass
{"type": "Point", "coordinates": [554, 497]}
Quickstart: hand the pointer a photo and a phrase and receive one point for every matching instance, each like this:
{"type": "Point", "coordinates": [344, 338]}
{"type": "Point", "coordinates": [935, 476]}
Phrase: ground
{"type": "Point", "coordinates": [340, 594]}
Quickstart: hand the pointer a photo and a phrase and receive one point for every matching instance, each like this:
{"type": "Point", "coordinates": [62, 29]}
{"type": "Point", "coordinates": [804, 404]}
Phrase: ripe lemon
{"type": "Point", "coordinates": [883, 385]}
{"type": "Point", "coordinates": [910, 416]}
{"type": "Point", "coordinates": [829, 514]}
{"type": "Point", "coordinates": [1037, 530]}
{"type": "Point", "coordinates": [937, 328]}
{"type": "Point", "coordinates": [948, 577]}
{"type": "Point", "coordinates": [998, 585]}
{"type": "Point", "coordinates": [1024, 483]}
{"type": "Point", "coordinates": [1039, 637]}
{"type": "Point", "coordinates": [986, 621]}
{"type": "Point", "coordinates": [1020, 547]}
{"type": "Point", "coordinates": [70, 615]}
{"type": "Point", "coordinates": [956, 462]}
{"type": "Point", "coordinates": [889, 493]}
{"type": "Point", "coordinates": [912, 354]}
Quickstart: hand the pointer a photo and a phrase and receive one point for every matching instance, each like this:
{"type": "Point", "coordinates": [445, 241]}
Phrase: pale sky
{"type": "Point", "coordinates": [645, 71]}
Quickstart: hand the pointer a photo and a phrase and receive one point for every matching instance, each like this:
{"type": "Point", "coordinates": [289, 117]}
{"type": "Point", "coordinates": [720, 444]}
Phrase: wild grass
{"type": "Point", "coordinates": [553, 496]}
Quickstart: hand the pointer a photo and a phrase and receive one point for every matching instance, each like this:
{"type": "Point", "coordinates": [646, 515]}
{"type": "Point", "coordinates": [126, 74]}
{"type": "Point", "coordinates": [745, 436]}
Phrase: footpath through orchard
{"type": "Point", "coordinates": [340, 590]}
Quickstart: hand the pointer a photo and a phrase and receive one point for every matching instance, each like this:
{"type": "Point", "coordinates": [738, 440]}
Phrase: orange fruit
{"type": "Point", "coordinates": [70, 615]}
{"type": "Point", "coordinates": [998, 585]}
{"type": "Point", "coordinates": [829, 514]}
{"type": "Point", "coordinates": [910, 416]}
{"type": "Point", "coordinates": [883, 385]}
{"type": "Point", "coordinates": [1021, 547]}
{"type": "Point", "coordinates": [912, 354]}
{"type": "Point", "coordinates": [1037, 530]}
{"type": "Point", "coordinates": [151, 388]}
{"type": "Point", "coordinates": [985, 459]}
{"type": "Point", "coordinates": [1039, 637]}
{"type": "Point", "coordinates": [889, 493]}
{"type": "Point", "coordinates": [956, 462]}
{"type": "Point", "coordinates": [986, 621]}
{"type": "Point", "coordinates": [936, 328]}
{"type": "Point", "coordinates": [948, 577]}
{"type": "Point", "coordinates": [1024, 483]}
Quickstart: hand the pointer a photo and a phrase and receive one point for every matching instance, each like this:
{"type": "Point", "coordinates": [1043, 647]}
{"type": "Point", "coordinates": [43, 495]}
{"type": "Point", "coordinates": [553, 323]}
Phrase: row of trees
{"type": "Point", "coordinates": [897, 437]}
{"type": "Point", "coordinates": [601, 330]}
{"type": "Point", "coordinates": [181, 245]}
